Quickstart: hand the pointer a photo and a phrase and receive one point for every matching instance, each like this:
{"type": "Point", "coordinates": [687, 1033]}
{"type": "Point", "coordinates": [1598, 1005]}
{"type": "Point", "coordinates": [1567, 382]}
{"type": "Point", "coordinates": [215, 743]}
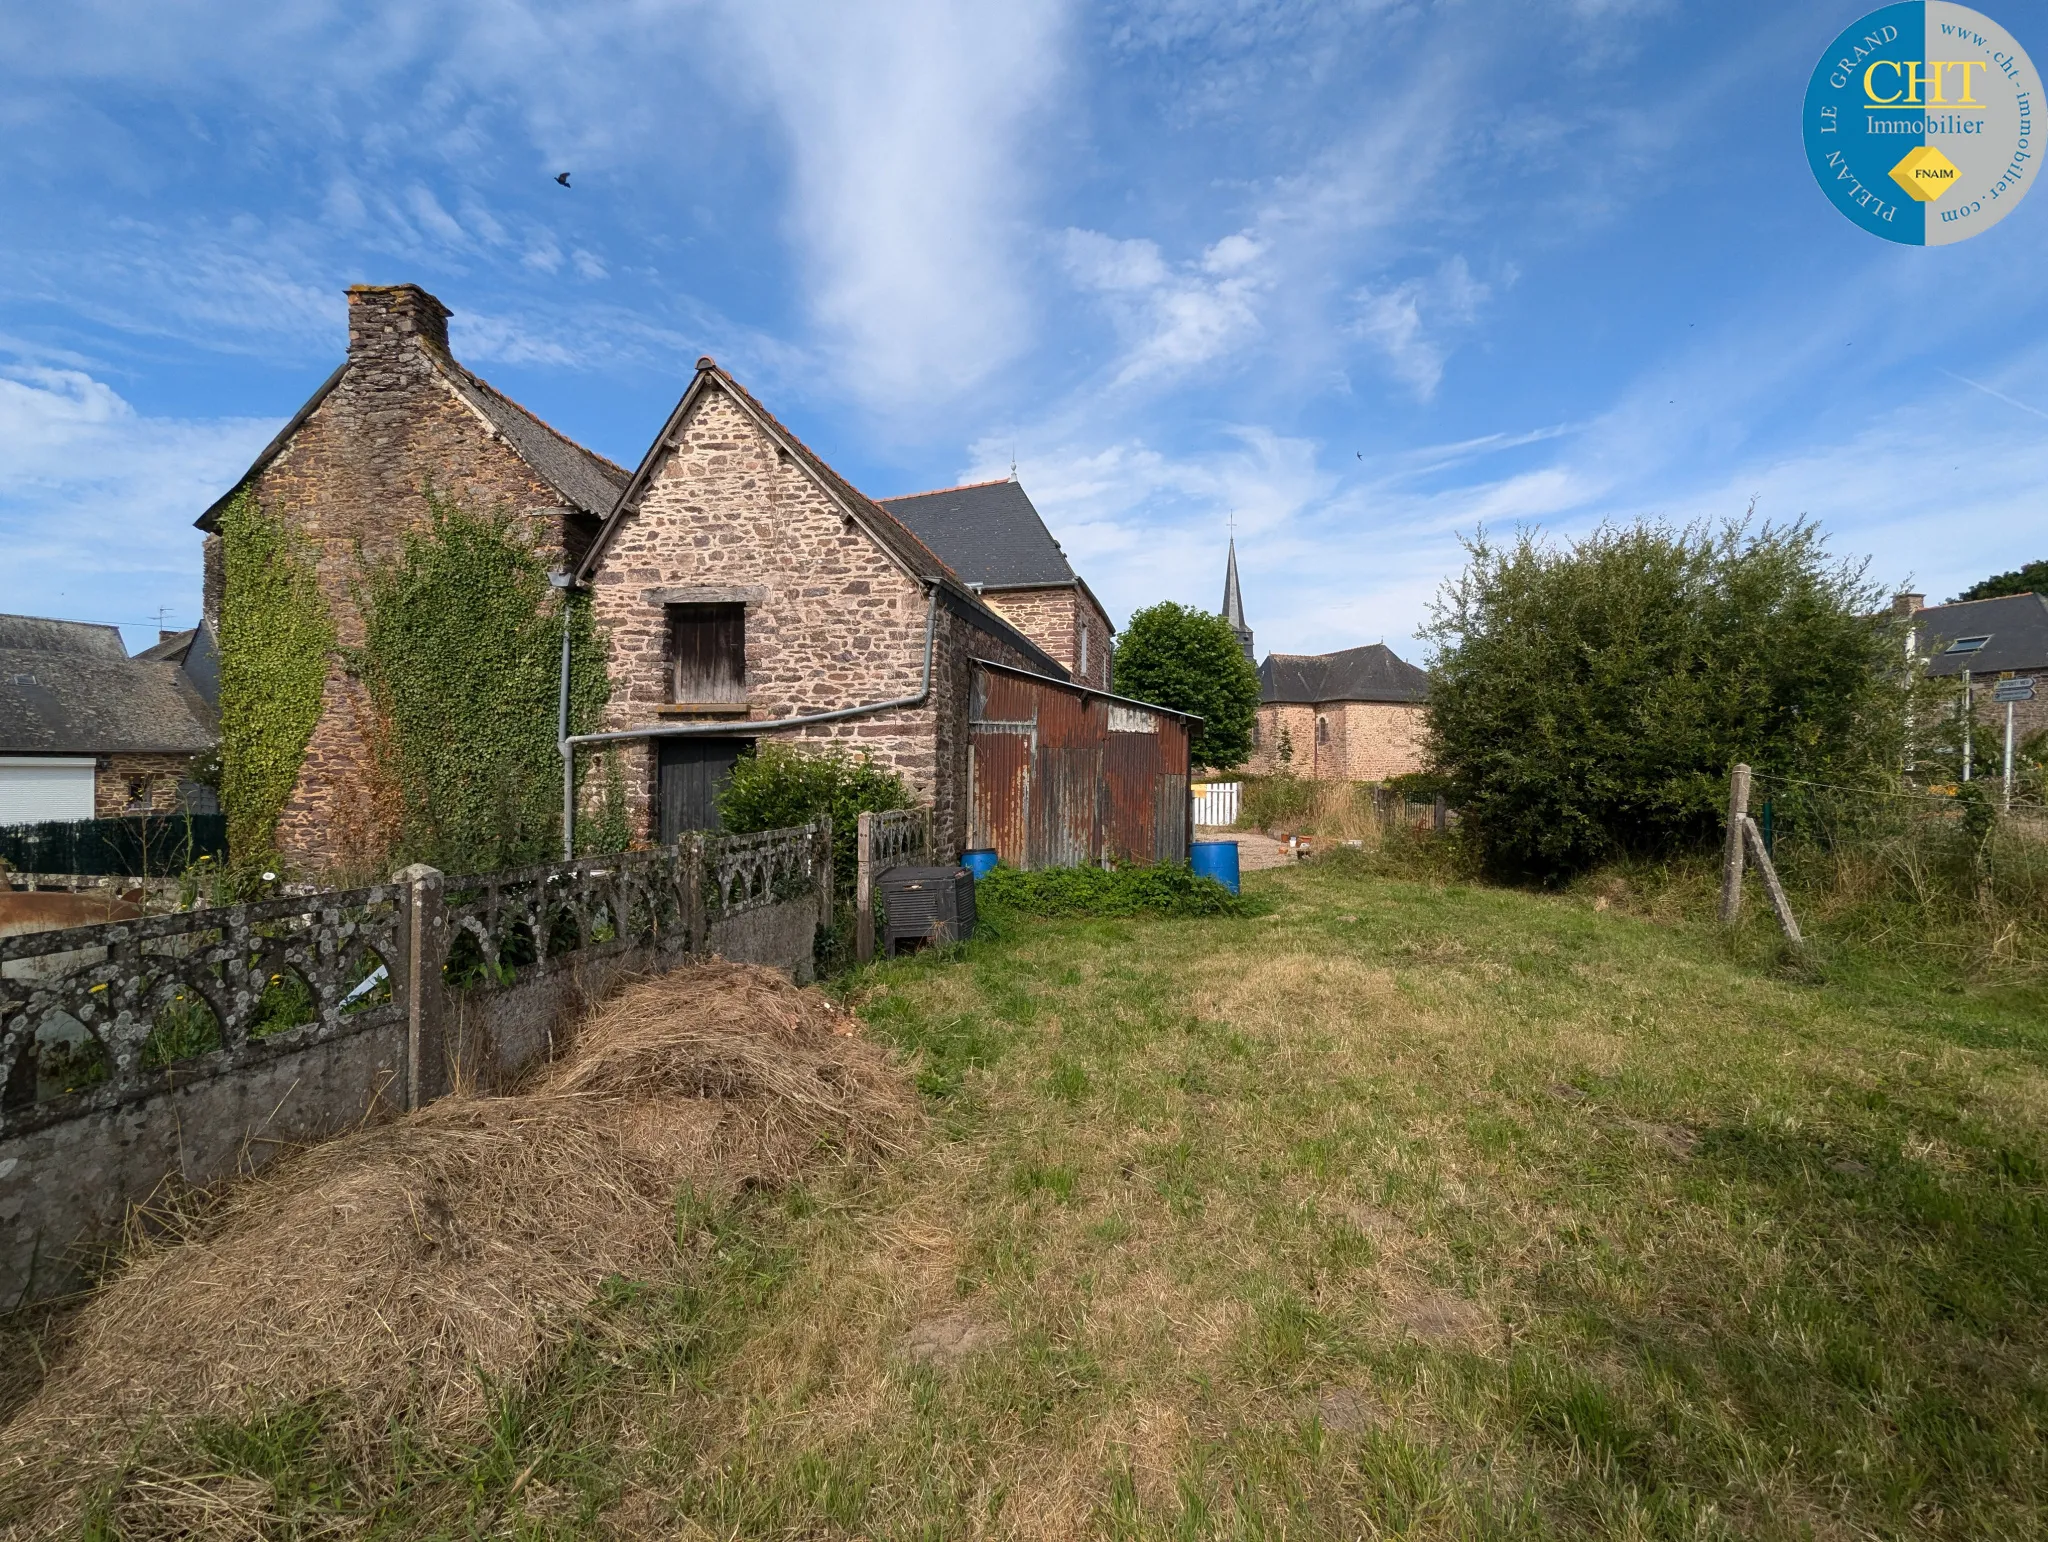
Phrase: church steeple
{"type": "Point", "coordinates": [1233, 605]}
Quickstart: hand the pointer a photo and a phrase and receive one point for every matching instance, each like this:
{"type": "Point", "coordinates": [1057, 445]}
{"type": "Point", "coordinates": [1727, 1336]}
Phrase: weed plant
{"type": "Point", "coordinates": [1161, 891]}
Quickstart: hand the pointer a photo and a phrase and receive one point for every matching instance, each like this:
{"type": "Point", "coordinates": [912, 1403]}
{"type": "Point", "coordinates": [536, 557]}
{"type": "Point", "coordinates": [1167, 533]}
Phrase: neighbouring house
{"type": "Point", "coordinates": [87, 732]}
{"type": "Point", "coordinates": [1358, 715]}
{"type": "Point", "coordinates": [748, 589]}
{"type": "Point", "coordinates": [1985, 641]}
{"type": "Point", "coordinates": [1353, 716]}
{"type": "Point", "coordinates": [990, 534]}
{"type": "Point", "coordinates": [349, 476]}
{"type": "Point", "coordinates": [744, 589]}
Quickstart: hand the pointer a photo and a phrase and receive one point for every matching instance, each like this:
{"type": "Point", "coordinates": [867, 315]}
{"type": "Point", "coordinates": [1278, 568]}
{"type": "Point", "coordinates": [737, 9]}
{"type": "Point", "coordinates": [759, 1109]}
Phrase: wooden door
{"type": "Point", "coordinates": [692, 772]}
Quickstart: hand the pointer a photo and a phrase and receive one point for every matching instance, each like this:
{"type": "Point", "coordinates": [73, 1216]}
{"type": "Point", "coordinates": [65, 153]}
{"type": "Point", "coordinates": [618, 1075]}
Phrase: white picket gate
{"type": "Point", "coordinates": [1216, 802]}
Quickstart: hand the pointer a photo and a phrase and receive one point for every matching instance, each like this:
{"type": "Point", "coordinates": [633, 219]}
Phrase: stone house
{"type": "Point", "coordinates": [746, 588]}
{"type": "Point", "coordinates": [86, 732]}
{"type": "Point", "coordinates": [1353, 716]}
{"type": "Point", "coordinates": [1984, 641]}
{"type": "Point", "coordinates": [991, 536]}
{"type": "Point", "coordinates": [742, 586]}
{"type": "Point", "coordinates": [349, 475]}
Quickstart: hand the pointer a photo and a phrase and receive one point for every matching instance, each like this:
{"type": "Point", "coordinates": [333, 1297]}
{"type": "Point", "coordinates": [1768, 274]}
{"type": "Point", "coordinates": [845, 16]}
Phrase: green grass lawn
{"type": "Point", "coordinates": [1396, 1210]}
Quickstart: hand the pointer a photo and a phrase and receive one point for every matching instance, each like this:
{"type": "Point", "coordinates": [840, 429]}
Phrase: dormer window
{"type": "Point", "coordinates": [707, 655]}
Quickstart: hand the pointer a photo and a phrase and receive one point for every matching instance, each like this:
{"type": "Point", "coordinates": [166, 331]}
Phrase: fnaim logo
{"type": "Point", "coordinates": [1919, 122]}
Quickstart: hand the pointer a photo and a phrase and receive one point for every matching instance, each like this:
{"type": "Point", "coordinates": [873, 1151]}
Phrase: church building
{"type": "Point", "coordinates": [1357, 715]}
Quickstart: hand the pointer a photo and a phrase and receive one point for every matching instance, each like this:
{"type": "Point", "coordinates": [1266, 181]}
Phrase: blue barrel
{"type": "Point", "coordinates": [1217, 860]}
{"type": "Point", "coordinates": [981, 862]}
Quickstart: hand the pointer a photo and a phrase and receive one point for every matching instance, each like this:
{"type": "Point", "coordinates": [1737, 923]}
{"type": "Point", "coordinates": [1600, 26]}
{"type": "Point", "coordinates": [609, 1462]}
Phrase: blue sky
{"type": "Point", "coordinates": [1363, 277]}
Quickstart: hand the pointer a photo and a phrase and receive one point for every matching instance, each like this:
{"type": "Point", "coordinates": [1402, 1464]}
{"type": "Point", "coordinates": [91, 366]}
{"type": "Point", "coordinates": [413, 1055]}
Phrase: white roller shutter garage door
{"type": "Point", "coordinates": [33, 789]}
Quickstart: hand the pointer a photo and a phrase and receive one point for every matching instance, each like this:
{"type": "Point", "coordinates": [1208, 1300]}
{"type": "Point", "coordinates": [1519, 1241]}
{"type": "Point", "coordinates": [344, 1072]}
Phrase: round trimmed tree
{"type": "Point", "coordinates": [1189, 660]}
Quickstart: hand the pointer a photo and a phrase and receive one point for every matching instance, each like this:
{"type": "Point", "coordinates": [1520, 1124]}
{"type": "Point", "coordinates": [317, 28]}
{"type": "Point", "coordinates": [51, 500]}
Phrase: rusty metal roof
{"type": "Point", "coordinates": [1088, 690]}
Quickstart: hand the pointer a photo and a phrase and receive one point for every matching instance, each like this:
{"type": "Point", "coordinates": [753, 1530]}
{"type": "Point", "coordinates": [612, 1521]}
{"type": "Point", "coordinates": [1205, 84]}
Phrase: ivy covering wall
{"type": "Point", "coordinates": [462, 656]}
{"type": "Point", "coordinates": [275, 635]}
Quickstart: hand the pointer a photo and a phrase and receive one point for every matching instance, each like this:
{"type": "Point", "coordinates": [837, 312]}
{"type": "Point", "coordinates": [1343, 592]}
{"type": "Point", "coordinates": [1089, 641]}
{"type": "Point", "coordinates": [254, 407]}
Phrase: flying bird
{"type": "Point", "coordinates": [562, 177]}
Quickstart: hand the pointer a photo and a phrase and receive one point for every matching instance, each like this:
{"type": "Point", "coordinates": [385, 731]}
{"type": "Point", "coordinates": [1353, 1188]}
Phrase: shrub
{"type": "Point", "coordinates": [1094, 891]}
{"type": "Point", "coordinates": [1588, 701]}
{"type": "Point", "coordinates": [1191, 661]}
{"type": "Point", "coordinates": [1280, 799]}
{"type": "Point", "coordinates": [778, 786]}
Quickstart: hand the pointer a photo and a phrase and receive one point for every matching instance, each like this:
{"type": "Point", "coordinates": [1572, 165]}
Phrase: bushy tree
{"type": "Point", "coordinates": [1191, 661]}
{"type": "Point", "coordinates": [2031, 579]}
{"type": "Point", "coordinates": [1588, 700]}
{"type": "Point", "coordinates": [778, 786]}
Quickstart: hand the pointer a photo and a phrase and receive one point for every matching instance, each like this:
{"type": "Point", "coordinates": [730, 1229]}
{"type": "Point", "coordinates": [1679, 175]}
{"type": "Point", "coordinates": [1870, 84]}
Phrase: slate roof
{"type": "Point", "coordinates": [1371, 673]}
{"type": "Point", "coordinates": [989, 533]}
{"type": "Point", "coordinates": [889, 532]}
{"type": "Point", "coordinates": [591, 483]}
{"type": "Point", "coordinates": [196, 653]}
{"type": "Point", "coordinates": [2017, 625]}
{"type": "Point", "coordinates": [69, 688]}
{"type": "Point", "coordinates": [586, 480]}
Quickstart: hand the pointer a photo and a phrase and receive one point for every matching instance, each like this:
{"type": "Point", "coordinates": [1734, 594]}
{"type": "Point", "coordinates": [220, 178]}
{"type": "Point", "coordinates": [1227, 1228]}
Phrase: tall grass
{"type": "Point", "coordinates": [1942, 880]}
{"type": "Point", "coordinates": [1951, 874]}
{"type": "Point", "coordinates": [1353, 812]}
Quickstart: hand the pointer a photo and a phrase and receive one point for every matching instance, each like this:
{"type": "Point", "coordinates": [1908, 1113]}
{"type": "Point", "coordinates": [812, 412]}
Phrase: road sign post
{"type": "Point", "coordinates": [2012, 692]}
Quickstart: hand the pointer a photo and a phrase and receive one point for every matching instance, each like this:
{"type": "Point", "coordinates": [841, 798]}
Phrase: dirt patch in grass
{"type": "Point", "coordinates": [1439, 1318]}
{"type": "Point", "coordinates": [1677, 1139]}
{"type": "Point", "coordinates": [952, 1337]}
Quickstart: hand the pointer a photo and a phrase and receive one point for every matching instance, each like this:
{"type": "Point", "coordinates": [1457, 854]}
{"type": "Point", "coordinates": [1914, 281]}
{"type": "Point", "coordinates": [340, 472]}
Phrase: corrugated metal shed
{"type": "Point", "coordinates": [1069, 777]}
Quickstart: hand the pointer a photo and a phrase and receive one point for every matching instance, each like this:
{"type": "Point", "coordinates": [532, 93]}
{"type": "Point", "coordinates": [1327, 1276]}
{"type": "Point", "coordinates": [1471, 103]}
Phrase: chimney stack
{"type": "Point", "coordinates": [382, 318]}
{"type": "Point", "coordinates": [1908, 604]}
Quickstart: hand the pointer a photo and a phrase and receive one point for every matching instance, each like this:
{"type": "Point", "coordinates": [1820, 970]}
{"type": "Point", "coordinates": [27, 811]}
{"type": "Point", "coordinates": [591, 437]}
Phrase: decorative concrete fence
{"type": "Point", "coordinates": [184, 1048]}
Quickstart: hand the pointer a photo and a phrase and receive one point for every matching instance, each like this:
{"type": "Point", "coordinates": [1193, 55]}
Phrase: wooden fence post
{"type": "Point", "coordinates": [1731, 858]}
{"type": "Point", "coordinates": [1769, 869]}
{"type": "Point", "coordinates": [1440, 815]}
{"type": "Point", "coordinates": [423, 933]}
{"type": "Point", "coordinates": [864, 890]}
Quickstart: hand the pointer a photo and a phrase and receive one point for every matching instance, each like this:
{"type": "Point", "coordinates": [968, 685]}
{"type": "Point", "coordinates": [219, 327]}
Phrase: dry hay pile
{"type": "Point", "coordinates": [399, 1269]}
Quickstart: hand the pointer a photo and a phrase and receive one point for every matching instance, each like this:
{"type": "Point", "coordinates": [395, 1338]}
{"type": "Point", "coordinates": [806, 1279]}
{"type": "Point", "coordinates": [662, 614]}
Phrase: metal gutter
{"type": "Point", "coordinates": [732, 728]}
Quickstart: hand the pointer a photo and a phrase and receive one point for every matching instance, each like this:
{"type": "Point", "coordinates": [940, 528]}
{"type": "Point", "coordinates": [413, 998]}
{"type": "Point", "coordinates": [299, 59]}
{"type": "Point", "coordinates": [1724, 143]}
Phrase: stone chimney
{"type": "Point", "coordinates": [382, 318]}
{"type": "Point", "coordinates": [1908, 604]}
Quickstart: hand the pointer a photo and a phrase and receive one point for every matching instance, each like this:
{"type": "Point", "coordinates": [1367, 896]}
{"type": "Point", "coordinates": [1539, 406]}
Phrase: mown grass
{"type": "Point", "coordinates": [1402, 1208]}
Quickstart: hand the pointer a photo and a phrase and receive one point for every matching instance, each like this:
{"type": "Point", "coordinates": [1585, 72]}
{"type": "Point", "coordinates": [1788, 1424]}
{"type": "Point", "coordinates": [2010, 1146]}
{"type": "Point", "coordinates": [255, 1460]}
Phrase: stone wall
{"type": "Point", "coordinates": [124, 783]}
{"type": "Point", "coordinates": [351, 482]}
{"type": "Point", "coordinates": [1057, 618]}
{"type": "Point", "coordinates": [2028, 719]}
{"type": "Point", "coordinates": [831, 620]}
{"type": "Point", "coordinates": [1360, 741]}
{"type": "Point", "coordinates": [509, 962]}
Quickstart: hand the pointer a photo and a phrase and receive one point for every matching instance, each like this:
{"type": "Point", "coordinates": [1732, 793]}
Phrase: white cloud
{"type": "Point", "coordinates": [97, 500]}
{"type": "Point", "coordinates": [1170, 321]}
{"type": "Point", "coordinates": [907, 127]}
{"type": "Point", "coordinates": [1393, 321]}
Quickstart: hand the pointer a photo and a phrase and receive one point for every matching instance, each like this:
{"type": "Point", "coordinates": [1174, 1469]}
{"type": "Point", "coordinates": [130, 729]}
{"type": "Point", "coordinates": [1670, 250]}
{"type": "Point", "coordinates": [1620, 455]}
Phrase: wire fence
{"type": "Point", "coordinates": [1952, 867]}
